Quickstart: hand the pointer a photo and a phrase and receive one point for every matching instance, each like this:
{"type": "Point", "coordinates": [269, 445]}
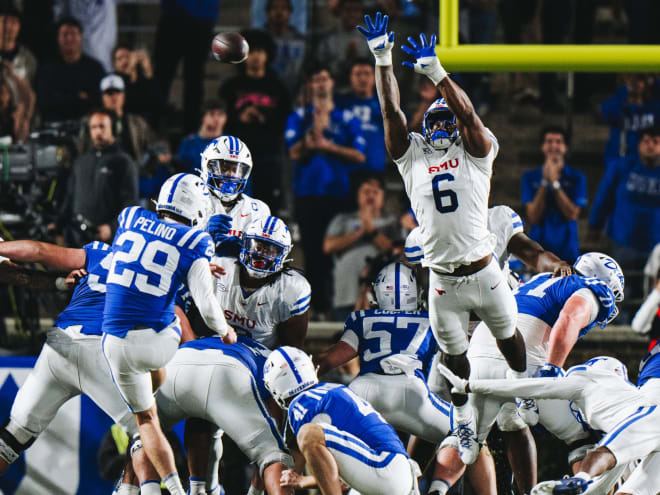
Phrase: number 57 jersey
{"type": "Point", "coordinates": [152, 258]}
{"type": "Point", "coordinates": [449, 193]}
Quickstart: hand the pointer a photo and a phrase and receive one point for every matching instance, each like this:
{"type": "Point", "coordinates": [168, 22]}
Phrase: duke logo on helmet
{"type": "Point", "coordinates": [605, 269]}
{"type": "Point", "coordinates": [226, 167]}
{"type": "Point", "coordinates": [439, 125]}
{"type": "Point", "coordinates": [266, 244]}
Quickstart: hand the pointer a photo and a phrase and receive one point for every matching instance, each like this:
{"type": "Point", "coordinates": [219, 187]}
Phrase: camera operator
{"type": "Point", "coordinates": [103, 181]}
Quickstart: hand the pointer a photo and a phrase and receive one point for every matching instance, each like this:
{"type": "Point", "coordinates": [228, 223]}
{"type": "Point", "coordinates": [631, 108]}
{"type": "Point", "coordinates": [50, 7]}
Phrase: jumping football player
{"type": "Point", "coordinates": [446, 174]}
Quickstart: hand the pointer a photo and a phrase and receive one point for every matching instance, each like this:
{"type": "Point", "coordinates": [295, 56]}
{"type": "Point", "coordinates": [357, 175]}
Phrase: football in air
{"type": "Point", "coordinates": [230, 48]}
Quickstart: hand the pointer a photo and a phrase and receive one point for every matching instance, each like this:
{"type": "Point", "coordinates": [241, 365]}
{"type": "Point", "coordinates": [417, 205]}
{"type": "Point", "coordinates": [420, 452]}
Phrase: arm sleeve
{"type": "Point", "coordinates": [604, 199]}
{"type": "Point", "coordinates": [200, 283]}
{"type": "Point", "coordinates": [567, 388]}
{"type": "Point", "coordinates": [644, 317]}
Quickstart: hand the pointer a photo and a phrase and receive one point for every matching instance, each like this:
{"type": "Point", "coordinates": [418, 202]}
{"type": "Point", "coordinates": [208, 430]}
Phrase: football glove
{"type": "Point", "coordinates": [379, 40]}
{"type": "Point", "coordinates": [426, 61]}
{"type": "Point", "coordinates": [549, 371]}
{"type": "Point", "coordinates": [229, 246]}
{"type": "Point", "coordinates": [459, 385]}
{"type": "Point", "coordinates": [219, 226]}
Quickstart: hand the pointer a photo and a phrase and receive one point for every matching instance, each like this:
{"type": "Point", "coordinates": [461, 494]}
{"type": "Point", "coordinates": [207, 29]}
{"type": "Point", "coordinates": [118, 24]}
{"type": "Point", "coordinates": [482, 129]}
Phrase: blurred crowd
{"type": "Point", "coordinates": [305, 103]}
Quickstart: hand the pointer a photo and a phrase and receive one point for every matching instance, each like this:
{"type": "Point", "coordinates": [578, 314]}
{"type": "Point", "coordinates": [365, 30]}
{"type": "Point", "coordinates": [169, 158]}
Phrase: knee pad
{"type": "Point", "coordinates": [272, 458]}
{"type": "Point", "coordinates": [135, 445]}
{"type": "Point", "coordinates": [10, 446]}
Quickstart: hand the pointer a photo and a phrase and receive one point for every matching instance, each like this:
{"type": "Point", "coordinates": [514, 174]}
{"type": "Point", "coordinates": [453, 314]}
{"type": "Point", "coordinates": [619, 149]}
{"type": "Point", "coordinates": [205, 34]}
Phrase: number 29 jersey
{"type": "Point", "coordinates": [449, 193]}
{"type": "Point", "coordinates": [376, 335]}
{"type": "Point", "coordinates": [151, 259]}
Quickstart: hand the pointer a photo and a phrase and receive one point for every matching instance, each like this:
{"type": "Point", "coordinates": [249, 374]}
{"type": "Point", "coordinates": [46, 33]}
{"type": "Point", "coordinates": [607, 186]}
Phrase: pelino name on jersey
{"type": "Point", "coordinates": [453, 163]}
{"type": "Point", "coordinates": [161, 230]}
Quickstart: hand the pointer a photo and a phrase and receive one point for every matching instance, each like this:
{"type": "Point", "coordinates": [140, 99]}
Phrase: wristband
{"type": "Point", "coordinates": [556, 185]}
{"type": "Point", "coordinates": [437, 74]}
{"type": "Point", "coordinates": [384, 58]}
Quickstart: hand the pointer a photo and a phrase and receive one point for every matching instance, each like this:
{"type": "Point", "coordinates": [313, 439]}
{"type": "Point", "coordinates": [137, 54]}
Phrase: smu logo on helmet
{"type": "Point", "coordinates": [453, 163]}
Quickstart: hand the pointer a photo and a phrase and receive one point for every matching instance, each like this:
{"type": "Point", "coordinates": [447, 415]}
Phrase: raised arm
{"type": "Point", "coordinates": [49, 255]}
{"type": "Point", "coordinates": [380, 43]}
{"type": "Point", "coordinates": [476, 138]}
{"type": "Point", "coordinates": [534, 256]}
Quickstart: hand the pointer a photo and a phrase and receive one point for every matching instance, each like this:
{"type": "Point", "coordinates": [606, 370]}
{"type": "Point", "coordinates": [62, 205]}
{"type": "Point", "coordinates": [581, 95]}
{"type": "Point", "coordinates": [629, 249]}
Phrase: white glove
{"type": "Point", "coordinates": [426, 61]}
{"type": "Point", "coordinates": [379, 40]}
{"type": "Point", "coordinates": [459, 385]}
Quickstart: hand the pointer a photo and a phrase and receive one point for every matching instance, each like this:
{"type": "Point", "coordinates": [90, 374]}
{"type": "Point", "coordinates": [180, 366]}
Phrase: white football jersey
{"type": "Point", "coordinates": [502, 221]}
{"type": "Point", "coordinates": [257, 314]}
{"type": "Point", "coordinates": [449, 192]}
{"type": "Point", "coordinates": [242, 213]}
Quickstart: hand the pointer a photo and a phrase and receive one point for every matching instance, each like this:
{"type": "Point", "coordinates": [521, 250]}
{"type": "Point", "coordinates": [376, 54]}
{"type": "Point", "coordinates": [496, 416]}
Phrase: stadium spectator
{"type": "Point", "coordinates": [99, 26]}
{"type": "Point", "coordinates": [554, 195]}
{"type": "Point", "coordinates": [133, 132]}
{"type": "Point", "coordinates": [289, 42]}
{"type": "Point", "coordinates": [629, 110]}
{"type": "Point", "coordinates": [184, 33]}
{"type": "Point", "coordinates": [68, 86]}
{"type": "Point", "coordinates": [298, 14]}
{"type": "Point", "coordinates": [361, 99]}
{"type": "Point", "coordinates": [17, 104]}
{"type": "Point", "coordinates": [11, 51]}
{"type": "Point", "coordinates": [628, 203]}
{"type": "Point", "coordinates": [103, 181]}
{"type": "Point", "coordinates": [353, 237]}
{"type": "Point", "coordinates": [214, 119]}
{"type": "Point", "coordinates": [142, 91]}
{"type": "Point", "coordinates": [340, 47]}
{"type": "Point", "coordinates": [257, 107]}
{"type": "Point", "coordinates": [326, 143]}
{"type": "Point", "coordinates": [155, 169]}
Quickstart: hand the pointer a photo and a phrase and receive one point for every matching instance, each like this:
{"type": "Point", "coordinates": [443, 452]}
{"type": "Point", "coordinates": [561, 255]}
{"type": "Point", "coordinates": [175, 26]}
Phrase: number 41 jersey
{"type": "Point", "coordinates": [151, 260]}
{"type": "Point", "coordinates": [449, 193]}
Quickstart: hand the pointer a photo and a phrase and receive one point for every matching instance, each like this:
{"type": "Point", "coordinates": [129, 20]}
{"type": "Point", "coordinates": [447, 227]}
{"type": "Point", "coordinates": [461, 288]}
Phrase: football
{"type": "Point", "coordinates": [230, 48]}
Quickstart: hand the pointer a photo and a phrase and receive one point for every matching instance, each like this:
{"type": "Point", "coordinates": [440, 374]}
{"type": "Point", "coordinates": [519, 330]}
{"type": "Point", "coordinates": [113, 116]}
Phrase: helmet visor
{"type": "Point", "coordinates": [263, 255]}
{"type": "Point", "coordinates": [228, 168]}
{"type": "Point", "coordinates": [441, 121]}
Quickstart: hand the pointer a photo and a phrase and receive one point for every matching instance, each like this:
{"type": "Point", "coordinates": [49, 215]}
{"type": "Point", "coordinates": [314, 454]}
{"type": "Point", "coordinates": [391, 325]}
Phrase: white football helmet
{"type": "Point", "coordinates": [605, 269]}
{"type": "Point", "coordinates": [608, 364]}
{"type": "Point", "coordinates": [266, 244]}
{"type": "Point", "coordinates": [226, 167]}
{"type": "Point", "coordinates": [287, 372]}
{"type": "Point", "coordinates": [395, 288]}
{"type": "Point", "coordinates": [440, 136]}
{"type": "Point", "coordinates": [185, 195]}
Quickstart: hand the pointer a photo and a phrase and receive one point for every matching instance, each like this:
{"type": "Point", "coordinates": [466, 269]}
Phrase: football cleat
{"type": "Point", "coordinates": [528, 411]}
{"type": "Point", "coordinates": [465, 430]}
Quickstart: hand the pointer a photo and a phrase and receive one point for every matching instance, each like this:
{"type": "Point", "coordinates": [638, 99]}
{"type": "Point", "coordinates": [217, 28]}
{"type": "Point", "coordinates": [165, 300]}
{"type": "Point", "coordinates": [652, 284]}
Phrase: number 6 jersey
{"type": "Point", "coordinates": [152, 258]}
{"type": "Point", "coordinates": [449, 192]}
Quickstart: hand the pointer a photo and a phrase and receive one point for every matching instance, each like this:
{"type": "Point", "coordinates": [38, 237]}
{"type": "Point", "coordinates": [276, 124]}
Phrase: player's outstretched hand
{"type": "Point", "coordinates": [230, 337]}
{"type": "Point", "coordinates": [460, 385]}
{"type": "Point", "coordinates": [426, 61]}
{"type": "Point", "coordinates": [379, 40]}
{"type": "Point", "coordinates": [216, 270]}
{"type": "Point", "coordinates": [219, 226]}
{"type": "Point", "coordinates": [290, 478]}
{"type": "Point", "coordinates": [563, 269]}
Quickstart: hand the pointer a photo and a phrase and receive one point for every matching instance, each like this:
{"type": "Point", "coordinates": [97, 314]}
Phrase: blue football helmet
{"type": "Point", "coordinates": [226, 167]}
{"type": "Point", "coordinates": [266, 244]}
{"type": "Point", "coordinates": [439, 125]}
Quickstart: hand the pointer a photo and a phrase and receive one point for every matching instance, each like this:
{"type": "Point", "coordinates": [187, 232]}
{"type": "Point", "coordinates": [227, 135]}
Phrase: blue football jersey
{"type": "Point", "coordinates": [150, 262]}
{"type": "Point", "coordinates": [347, 412]}
{"type": "Point", "coordinates": [88, 299]}
{"type": "Point", "coordinates": [251, 353]}
{"type": "Point", "coordinates": [377, 334]}
{"type": "Point", "coordinates": [650, 366]}
{"type": "Point", "coordinates": [544, 296]}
